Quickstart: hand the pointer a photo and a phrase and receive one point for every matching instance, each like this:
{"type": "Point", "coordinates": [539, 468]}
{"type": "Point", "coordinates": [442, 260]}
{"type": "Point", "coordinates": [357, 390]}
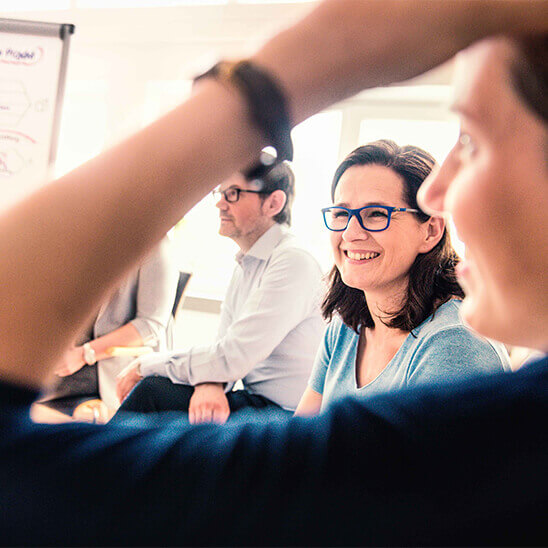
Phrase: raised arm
{"type": "Point", "coordinates": [161, 172]}
{"type": "Point", "coordinates": [155, 176]}
{"type": "Point", "coordinates": [345, 46]}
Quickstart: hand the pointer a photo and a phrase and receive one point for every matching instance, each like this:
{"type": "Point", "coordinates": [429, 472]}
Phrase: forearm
{"type": "Point", "coordinates": [345, 46]}
{"type": "Point", "coordinates": [155, 176]}
{"type": "Point", "coordinates": [310, 404]}
{"type": "Point", "coordinates": [125, 335]}
{"type": "Point", "coordinates": [195, 366]}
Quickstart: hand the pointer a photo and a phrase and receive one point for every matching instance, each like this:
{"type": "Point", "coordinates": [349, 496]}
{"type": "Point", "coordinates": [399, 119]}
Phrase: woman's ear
{"type": "Point", "coordinates": [274, 203]}
{"type": "Point", "coordinates": [433, 233]}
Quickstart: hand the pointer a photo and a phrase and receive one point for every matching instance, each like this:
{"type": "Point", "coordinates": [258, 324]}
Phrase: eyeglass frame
{"type": "Point", "coordinates": [356, 213]}
{"type": "Point", "coordinates": [238, 191]}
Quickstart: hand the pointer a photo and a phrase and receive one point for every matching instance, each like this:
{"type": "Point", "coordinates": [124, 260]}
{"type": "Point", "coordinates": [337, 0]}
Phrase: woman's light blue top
{"type": "Point", "coordinates": [440, 349]}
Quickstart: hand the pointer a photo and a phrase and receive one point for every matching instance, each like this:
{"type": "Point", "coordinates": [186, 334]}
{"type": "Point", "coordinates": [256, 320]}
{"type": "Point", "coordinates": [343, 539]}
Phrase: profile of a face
{"type": "Point", "coordinates": [241, 219]}
{"type": "Point", "coordinates": [494, 183]}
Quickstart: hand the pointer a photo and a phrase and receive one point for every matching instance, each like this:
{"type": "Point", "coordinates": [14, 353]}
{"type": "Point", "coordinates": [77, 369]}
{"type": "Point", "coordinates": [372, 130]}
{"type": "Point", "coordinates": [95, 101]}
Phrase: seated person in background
{"type": "Point", "coordinates": [393, 287]}
{"type": "Point", "coordinates": [270, 324]}
{"type": "Point", "coordinates": [138, 313]}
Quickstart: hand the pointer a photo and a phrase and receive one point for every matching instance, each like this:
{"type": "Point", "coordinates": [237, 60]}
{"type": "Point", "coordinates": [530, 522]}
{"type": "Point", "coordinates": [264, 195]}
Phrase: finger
{"type": "Point", "coordinates": [128, 386]}
{"type": "Point", "coordinates": [205, 414]}
{"type": "Point", "coordinates": [121, 375]}
{"type": "Point", "coordinates": [219, 416]}
{"type": "Point", "coordinates": [120, 388]}
{"type": "Point", "coordinates": [202, 415]}
{"type": "Point", "coordinates": [197, 412]}
{"type": "Point", "coordinates": [117, 386]}
{"type": "Point", "coordinates": [191, 412]}
{"type": "Point", "coordinates": [123, 392]}
{"type": "Point", "coordinates": [209, 415]}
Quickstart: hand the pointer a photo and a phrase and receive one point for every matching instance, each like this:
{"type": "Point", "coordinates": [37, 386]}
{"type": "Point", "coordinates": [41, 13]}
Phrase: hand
{"type": "Point", "coordinates": [208, 404]}
{"type": "Point", "coordinates": [72, 361]}
{"type": "Point", "coordinates": [127, 379]}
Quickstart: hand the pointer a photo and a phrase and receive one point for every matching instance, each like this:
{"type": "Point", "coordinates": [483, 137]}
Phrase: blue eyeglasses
{"type": "Point", "coordinates": [371, 218]}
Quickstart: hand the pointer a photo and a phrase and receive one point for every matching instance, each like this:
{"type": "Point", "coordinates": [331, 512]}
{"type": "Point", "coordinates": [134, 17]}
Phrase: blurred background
{"type": "Point", "coordinates": [132, 60]}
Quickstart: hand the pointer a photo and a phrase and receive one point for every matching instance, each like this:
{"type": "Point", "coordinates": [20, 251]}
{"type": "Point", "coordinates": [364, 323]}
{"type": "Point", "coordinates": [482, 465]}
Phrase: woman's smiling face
{"type": "Point", "coordinates": [377, 262]}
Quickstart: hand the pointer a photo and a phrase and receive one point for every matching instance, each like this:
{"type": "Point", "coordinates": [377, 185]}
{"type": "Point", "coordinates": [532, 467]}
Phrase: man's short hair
{"type": "Point", "coordinates": [280, 177]}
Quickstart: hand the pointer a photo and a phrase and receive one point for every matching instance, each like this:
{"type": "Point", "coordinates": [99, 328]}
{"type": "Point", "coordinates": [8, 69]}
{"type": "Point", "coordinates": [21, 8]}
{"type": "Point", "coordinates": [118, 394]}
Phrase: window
{"type": "Point", "coordinates": [435, 136]}
{"type": "Point", "coordinates": [316, 143]}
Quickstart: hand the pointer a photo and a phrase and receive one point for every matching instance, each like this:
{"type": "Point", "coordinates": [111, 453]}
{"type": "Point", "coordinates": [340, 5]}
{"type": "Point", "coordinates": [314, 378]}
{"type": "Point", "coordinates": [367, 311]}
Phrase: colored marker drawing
{"type": "Point", "coordinates": [14, 103]}
{"type": "Point", "coordinates": [10, 162]}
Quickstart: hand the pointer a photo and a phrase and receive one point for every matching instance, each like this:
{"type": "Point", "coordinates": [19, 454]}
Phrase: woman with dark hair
{"type": "Point", "coordinates": [393, 297]}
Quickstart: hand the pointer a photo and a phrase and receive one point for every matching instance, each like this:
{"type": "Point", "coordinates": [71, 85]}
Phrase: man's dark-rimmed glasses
{"type": "Point", "coordinates": [232, 194]}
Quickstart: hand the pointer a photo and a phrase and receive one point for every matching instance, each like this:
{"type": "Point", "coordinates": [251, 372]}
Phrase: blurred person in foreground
{"type": "Point", "coordinates": [458, 464]}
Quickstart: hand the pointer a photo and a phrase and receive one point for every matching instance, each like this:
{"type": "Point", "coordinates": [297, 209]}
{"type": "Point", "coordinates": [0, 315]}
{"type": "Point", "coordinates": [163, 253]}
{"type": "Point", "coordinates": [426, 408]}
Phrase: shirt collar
{"type": "Point", "coordinates": [264, 246]}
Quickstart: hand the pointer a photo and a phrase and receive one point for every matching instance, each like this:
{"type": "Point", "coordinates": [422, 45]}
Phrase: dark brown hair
{"type": "Point", "coordinates": [529, 73]}
{"type": "Point", "coordinates": [432, 279]}
{"type": "Point", "coordinates": [280, 177]}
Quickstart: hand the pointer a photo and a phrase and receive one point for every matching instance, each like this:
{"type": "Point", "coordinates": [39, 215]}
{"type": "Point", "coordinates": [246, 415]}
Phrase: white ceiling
{"type": "Point", "coordinates": [172, 42]}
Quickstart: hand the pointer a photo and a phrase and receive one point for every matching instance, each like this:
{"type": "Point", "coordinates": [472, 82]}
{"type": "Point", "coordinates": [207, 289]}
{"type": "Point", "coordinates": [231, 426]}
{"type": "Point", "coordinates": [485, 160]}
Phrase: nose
{"type": "Point", "coordinates": [222, 204]}
{"type": "Point", "coordinates": [432, 193]}
{"type": "Point", "coordinates": [354, 231]}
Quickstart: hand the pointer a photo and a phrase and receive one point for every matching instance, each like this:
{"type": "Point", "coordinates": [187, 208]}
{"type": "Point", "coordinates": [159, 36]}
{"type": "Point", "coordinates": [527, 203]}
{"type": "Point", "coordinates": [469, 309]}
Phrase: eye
{"type": "Point", "coordinates": [339, 213]}
{"type": "Point", "coordinates": [377, 213]}
{"type": "Point", "coordinates": [467, 147]}
{"type": "Point", "coordinates": [231, 194]}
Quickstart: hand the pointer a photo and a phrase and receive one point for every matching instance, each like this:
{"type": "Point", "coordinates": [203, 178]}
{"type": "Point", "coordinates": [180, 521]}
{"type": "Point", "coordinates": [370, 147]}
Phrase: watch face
{"type": "Point", "coordinates": [89, 354]}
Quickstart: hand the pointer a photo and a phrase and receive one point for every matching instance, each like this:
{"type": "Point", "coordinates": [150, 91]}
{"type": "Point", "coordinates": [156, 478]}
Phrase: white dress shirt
{"type": "Point", "coordinates": [270, 326]}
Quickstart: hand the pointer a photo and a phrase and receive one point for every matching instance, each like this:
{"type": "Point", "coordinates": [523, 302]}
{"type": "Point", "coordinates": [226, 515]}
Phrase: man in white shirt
{"type": "Point", "coordinates": [270, 325]}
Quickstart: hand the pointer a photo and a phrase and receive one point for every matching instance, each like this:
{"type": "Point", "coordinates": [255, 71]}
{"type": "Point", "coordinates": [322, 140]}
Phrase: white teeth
{"type": "Point", "coordinates": [361, 256]}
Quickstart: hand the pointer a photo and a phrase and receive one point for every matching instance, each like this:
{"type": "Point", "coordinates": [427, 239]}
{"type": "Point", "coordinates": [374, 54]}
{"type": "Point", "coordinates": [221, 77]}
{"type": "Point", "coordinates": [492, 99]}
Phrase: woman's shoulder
{"type": "Point", "coordinates": [447, 332]}
{"type": "Point", "coordinates": [445, 323]}
{"type": "Point", "coordinates": [445, 317]}
{"type": "Point", "coordinates": [339, 334]}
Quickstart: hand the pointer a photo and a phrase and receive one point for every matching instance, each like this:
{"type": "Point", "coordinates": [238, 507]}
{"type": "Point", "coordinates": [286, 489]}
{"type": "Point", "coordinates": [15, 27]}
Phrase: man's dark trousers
{"type": "Point", "coordinates": [159, 394]}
